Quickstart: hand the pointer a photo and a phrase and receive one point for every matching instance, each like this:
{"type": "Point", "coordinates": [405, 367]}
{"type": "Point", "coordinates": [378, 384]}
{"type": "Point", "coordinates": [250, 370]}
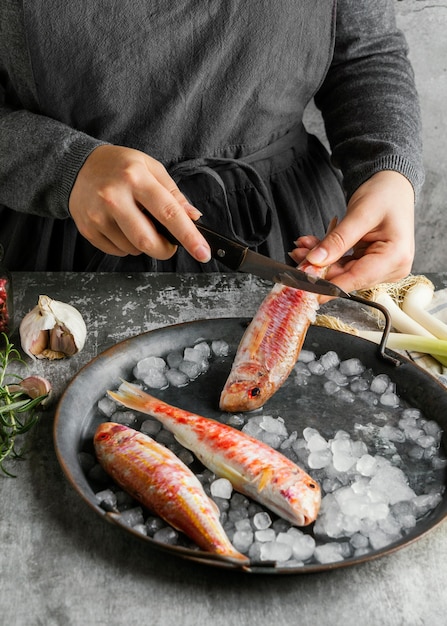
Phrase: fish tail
{"type": "Point", "coordinates": [132, 396]}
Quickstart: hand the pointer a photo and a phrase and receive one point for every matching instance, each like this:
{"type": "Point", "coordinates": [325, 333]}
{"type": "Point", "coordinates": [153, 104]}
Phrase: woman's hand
{"type": "Point", "coordinates": [377, 231]}
{"type": "Point", "coordinates": [116, 192]}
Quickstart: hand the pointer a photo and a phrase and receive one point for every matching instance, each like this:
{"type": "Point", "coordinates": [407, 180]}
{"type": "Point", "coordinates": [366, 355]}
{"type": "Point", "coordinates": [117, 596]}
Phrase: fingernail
{"type": "Point", "coordinates": [202, 254]}
{"type": "Point", "coordinates": [193, 213]}
{"type": "Point", "coordinates": [317, 256]}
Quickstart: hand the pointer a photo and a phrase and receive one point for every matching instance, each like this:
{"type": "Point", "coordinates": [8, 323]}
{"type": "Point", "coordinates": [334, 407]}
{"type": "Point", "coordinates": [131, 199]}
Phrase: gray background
{"type": "Point", "coordinates": [424, 23]}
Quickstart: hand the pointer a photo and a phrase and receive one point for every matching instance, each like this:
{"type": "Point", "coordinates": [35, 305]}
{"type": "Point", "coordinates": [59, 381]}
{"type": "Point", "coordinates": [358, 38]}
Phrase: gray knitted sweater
{"type": "Point", "coordinates": [187, 78]}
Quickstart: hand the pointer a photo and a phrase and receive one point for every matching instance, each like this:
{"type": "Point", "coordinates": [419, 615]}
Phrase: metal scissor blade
{"type": "Point", "coordinates": [240, 258]}
{"type": "Point", "coordinates": [269, 269]}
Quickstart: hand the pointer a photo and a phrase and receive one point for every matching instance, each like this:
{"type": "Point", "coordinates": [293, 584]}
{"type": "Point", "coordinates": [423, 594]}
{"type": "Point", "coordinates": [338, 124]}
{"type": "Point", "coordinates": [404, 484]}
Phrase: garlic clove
{"type": "Point", "coordinates": [33, 386]}
{"type": "Point", "coordinates": [62, 340]}
{"type": "Point", "coordinates": [52, 330]}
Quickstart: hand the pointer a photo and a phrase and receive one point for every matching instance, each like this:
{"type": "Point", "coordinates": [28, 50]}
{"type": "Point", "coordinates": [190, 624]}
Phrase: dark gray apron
{"type": "Point", "coordinates": [266, 198]}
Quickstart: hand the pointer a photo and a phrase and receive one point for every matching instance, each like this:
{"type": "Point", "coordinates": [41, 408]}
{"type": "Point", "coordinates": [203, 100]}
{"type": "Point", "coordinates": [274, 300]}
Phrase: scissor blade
{"type": "Point", "coordinates": [267, 268]}
{"type": "Point", "coordinates": [240, 258]}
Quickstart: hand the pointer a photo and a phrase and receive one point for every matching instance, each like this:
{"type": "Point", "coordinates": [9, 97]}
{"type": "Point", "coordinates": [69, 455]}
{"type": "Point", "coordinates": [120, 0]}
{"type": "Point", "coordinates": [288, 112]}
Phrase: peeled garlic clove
{"type": "Point", "coordinates": [52, 330]}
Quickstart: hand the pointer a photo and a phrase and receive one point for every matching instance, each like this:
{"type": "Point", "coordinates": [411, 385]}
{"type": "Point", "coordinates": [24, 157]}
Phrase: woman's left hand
{"type": "Point", "coordinates": [374, 242]}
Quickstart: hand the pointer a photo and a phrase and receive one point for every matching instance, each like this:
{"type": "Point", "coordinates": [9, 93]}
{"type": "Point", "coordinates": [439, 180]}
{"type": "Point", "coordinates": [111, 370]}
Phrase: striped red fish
{"type": "Point", "coordinates": [254, 468]}
{"type": "Point", "coordinates": [158, 479]}
{"type": "Point", "coordinates": [270, 346]}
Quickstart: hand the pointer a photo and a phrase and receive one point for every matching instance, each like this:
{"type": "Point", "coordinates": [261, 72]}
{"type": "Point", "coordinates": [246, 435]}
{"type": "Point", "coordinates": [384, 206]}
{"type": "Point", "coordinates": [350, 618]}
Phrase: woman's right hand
{"type": "Point", "coordinates": [116, 192]}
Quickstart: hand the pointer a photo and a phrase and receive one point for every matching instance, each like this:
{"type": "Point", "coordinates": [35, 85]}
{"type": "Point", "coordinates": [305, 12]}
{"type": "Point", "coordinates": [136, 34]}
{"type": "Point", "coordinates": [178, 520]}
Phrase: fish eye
{"type": "Point", "coordinates": [254, 392]}
{"type": "Point", "coordinates": [102, 436]}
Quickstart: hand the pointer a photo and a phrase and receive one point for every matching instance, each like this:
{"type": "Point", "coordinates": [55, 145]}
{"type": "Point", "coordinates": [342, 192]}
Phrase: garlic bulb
{"type": "Point", "coordinates": [52, 330]}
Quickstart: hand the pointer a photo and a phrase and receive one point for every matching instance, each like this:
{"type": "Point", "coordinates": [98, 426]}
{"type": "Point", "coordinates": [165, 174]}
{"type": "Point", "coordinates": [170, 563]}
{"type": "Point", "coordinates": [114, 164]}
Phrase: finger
{"type": "Point", "coordinates": [366, 272]}
{"type": "Point", "coordinates": [298, 255]}
{"type": "Point", "coordinates": [340, 240]}
{"type": "Point", "coordinates": [306, 241]}
{"type": "Point", "coordinates": [165, 180]}
{"type": "Point", "coordinates": [159, 202]}
{"type": "Point", "coordinates": [108, 246]}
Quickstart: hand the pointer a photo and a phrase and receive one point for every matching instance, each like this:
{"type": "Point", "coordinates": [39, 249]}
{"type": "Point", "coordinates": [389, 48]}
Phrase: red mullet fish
{"type": "Point", "coordinates": [270, 346]}
{"type": "Point", "coordinates": [253, 468]}
{"type": "Point", "coordinates": [156, 478]}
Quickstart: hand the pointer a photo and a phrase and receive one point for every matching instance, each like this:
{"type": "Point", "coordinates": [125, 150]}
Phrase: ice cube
{"type": "Point", "coordinates": [330, 360]}
{"type": "Point", "coordinates": [392, 483]}
{"type": "Point", "coordinates": [242, 540]}
{"type": "Point", "coordinates": [366, 465]}
{"type": "Point", "coordinates": [204, 349]}
{"type": "Point", "coordinates": [262, 520]}
{"type": "Point", "coordinates": [166, 535]}
{"type": "Point", "coordinates": [330, 387]}
{"type": "Point", "coordinates": [268, 534]}
{"type": "Point", "coordinates": [274, 425]}
{"type": "Point", "coordinates": [306, 356]}
{"type": "Point", "coordinates": [190, 368]}
{"type": "Point", "coordinates": [389, 399]}
{"type": "Point", "coordinates": [154, 378]}
{"type": "Point", "coordinates": [379, 539]}
{"type": "Point", "coordinates": [176, 378]}
{"type": "Point", "coordinates": [337, 377]}
{"type": "Point", "coordinates": [346, 395]}
{"type": "Point", "coordinates": [220, 347]}
{"type": "Point", "coordinates": [358, 385]}
{"type": "Point", "coordinates": [303, 547]}
{"type": "Point", "coordinates": [196, 356]}
{"type": "Point", "coordinates": [352, 367]}
{"type": "Point", "coordinates": [107, 499]}
{"type": "Point", "coordinates": [319, 459]}
{"type": "Point", "coordinates": [222, 488]}
{"type": "Point", "coordinates": [315, 367]}
{"type": "Point", "coordinates": [150, 427]}
{"type": "Point", "coordinates": [379, 384]}
{"type": "Point", "coordinates": [174, 359]}
{"type": "Point", "coordinates": [275, 551]}
{"type": "Point", "coordinates": [126, 418]}
{"type": "Point", "coordinates": [132, 517]}
{"type": "Point", "coordinates": [328, 553]}
{"type": "Point", "coordinates": [147, 365]}
{"type": "Point", "coordinates": [107, 406]}
{"type": "Point", "coordinates": [359, 541]}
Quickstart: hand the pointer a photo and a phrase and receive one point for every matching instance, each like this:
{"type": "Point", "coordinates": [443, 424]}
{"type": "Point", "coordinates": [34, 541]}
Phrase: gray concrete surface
{"type": "Point", "coordinates": [424, 23]}
{"type": "Point", "coordinates": [61, 565]}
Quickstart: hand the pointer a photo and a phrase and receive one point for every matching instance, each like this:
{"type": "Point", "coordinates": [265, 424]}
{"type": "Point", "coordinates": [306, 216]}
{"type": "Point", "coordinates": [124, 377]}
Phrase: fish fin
{"type": "Point", "coordinates": [265, 479]}
{"type": "Point", "coordinates": [183, 442]}
{"type": "Point", "coordinates": [258, 338]}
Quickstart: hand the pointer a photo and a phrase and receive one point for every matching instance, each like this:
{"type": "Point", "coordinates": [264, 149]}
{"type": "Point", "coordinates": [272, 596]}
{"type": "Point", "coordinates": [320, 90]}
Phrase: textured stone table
{"type": "Point", "coordinates": [60, 565]}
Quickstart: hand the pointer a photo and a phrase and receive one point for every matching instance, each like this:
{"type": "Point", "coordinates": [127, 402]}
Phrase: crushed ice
{"type": "Point", "coordinates": [377, 481]}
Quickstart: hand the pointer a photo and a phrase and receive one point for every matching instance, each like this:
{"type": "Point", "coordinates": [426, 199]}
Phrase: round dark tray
{"type": "Point", "coordinates": [77, 416]}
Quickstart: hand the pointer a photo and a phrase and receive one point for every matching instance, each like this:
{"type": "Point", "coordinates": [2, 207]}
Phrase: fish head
{"type": "Point", "coordinates": [248, 387]}
{"type": "Point", "coordinates": [111, 434]}
{"type": "Point", "coordinates": [303, 496]}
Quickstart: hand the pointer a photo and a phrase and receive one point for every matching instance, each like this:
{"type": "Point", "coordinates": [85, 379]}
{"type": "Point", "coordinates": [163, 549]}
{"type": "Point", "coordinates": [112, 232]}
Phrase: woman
{"type": "Point", "coordinates": [111, 115]}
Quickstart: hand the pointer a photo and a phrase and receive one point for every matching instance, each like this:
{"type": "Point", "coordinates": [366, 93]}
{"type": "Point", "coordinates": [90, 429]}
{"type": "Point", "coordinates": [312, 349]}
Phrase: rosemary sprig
{"type": "Point", "coordinates": [17, 410]}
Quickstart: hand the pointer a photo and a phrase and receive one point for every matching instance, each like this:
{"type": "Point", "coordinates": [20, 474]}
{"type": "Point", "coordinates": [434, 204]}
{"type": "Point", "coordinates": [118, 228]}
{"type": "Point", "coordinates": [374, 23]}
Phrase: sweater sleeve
{"type": "Point", "coordinates": [368, 99]}
{"type": "Point", "coordinates": [39, 161]}
{"type": "Point", "coordinates": [39, 156]}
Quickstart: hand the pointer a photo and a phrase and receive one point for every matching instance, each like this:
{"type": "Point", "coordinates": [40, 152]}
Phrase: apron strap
{"type": "Point", "coordinates": [208, 165]}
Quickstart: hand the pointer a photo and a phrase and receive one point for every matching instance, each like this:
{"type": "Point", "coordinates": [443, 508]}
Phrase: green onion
{"type": "Point", "coordinates": [437, 348]}
{"type": "Point", "coordinates": [406, 301]}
